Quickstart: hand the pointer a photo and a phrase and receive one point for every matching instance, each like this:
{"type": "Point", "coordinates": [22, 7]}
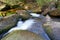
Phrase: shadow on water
{"type": "Point", "coordinates": [1, 35]}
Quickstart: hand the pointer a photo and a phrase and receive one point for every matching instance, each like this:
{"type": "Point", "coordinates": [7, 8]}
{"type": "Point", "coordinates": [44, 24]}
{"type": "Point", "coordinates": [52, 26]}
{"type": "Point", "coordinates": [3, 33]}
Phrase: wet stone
{"type": "Point", "coordinates": [22, 35]}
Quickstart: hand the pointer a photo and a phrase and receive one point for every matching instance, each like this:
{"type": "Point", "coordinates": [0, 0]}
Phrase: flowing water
{"type": "Point", "coordinates": [32, 25]}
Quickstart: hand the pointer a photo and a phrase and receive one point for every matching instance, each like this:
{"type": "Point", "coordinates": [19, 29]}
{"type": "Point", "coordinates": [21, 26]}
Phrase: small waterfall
{"type": "Point", "coordinates": [32, 25]}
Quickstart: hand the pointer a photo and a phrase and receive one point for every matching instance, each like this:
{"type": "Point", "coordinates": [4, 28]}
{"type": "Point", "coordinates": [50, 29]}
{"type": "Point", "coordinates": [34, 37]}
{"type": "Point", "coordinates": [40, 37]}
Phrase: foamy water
{"type": "Point", "coordinates": [35, 15]}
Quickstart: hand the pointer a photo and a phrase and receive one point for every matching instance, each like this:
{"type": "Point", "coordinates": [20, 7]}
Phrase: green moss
{"type": "Point", "coordinates": [58, 7]}
{"type": "Point", "coordinates": [10, 13]}
{"type": "Point", "coordinates": [42, 2]}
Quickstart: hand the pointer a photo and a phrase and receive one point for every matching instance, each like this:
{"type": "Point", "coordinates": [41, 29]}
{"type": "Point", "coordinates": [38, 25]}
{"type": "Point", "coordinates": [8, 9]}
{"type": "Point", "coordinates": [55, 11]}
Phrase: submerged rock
{"type": "Point", "coordinates": [22, 35]}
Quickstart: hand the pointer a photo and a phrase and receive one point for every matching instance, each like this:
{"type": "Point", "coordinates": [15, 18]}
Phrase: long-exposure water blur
{"type": "Point", "coordinates": [29, 19]}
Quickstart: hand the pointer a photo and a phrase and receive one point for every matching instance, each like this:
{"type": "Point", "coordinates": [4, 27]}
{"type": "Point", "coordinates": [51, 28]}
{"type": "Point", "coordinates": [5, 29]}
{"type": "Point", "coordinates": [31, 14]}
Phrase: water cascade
{"type": "Point", "coordinates": [33, 25]}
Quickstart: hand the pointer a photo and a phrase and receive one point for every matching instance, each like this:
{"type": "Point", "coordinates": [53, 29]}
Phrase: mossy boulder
{"type": "Point", "coordinates": [8, 22]}
{"type": "Point", "coordinates": [55, 13]}
{"type": "Point", "coordinates": [22, 35]}
{"type": "Point", "coordinates": [34, 7]}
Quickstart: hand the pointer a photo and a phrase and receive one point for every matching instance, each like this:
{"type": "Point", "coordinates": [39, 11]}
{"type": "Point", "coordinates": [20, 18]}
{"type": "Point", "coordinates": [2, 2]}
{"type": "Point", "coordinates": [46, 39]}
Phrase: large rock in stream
{"type": "Point", "coordinates": [52, 28]}
{"type": "Point", "coordinates": [22, 35]}
{"type": "Point", "coordinates": [8, 22]}
{"type": "Point", "coordinates": [55, 13]}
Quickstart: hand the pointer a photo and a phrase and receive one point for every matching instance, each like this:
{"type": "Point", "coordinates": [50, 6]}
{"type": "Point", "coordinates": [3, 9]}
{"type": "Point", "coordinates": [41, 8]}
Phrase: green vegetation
{"type": "Point", "coordinates": [58, 4]}
{"type": "Point", "coordinates": [12, 2]}
{"type": "Point", "coordinates": [42, 2]}
{"type": "Point", "coordinates": [36, 6]}
{"type": "Point", "coordinates": [8, 13]}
